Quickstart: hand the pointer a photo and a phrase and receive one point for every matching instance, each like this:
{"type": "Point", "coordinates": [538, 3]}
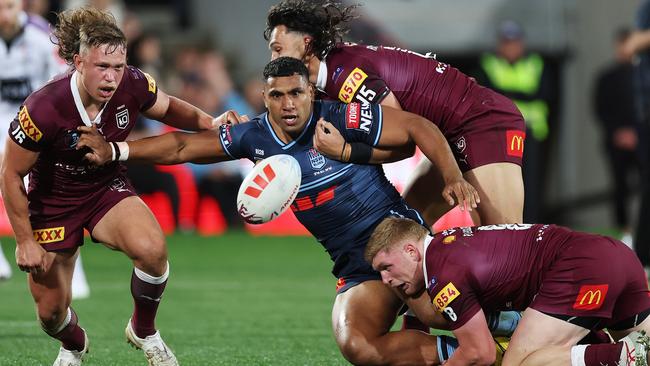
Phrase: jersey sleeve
{"type": "Point", "coordinates": [31, 129]}
{"type": "Point", "coordinates": [143, 87]}
{"type": "Point", "coordinates": [234, 139]}
{"type": "Point", "coordinates": [362, 87]}
{"type": "Point", "coordinates": [358, 122]}
{"type": "Point", "coordinates": [453, 297]}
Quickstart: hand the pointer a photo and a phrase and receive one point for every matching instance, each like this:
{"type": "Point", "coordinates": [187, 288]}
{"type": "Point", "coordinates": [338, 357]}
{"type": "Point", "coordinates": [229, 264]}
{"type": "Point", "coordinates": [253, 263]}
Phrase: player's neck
{"type": "Point", "coordinates": [313, 66]}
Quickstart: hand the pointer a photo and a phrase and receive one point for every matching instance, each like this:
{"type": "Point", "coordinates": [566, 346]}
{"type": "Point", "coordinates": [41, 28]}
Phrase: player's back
{"type": "Point", "coordinates": [421, 84]}
{"type": "Point", "coordinates": [502, 266]}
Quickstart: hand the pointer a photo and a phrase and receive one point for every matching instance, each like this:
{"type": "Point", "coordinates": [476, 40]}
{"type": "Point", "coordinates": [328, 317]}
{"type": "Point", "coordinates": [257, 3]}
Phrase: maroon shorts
{"type": "Point", "coordinates": [595, 277]}
{"type": "Point", "coordinates": [59, 225]}
{"type": "Point", "coordinates": [493, 131]}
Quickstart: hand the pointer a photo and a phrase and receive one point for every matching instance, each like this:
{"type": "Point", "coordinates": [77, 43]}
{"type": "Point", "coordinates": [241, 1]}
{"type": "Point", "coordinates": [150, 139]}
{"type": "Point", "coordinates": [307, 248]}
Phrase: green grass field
{"type": "Point", "coordinates": [231, 300]}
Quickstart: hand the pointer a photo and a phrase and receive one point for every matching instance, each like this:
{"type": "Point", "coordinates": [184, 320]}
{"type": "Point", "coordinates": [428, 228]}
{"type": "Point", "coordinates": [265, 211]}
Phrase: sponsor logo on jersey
{"type": "Point", "coordinates": [259, 152]}
{"type": "Point", "coordinates": [352, 84]}
{"type": "Point", "coordinates": [352, 116]}
{"type": "Point", "coordinates": [71, 138]}
{"type": "Point", "coordinates": [515, 143]}
{"type": "Point", "coordinates": [445, 296]}
{"type": "Point", "coordinates": [591, 297]}
{"type": "Point", "coordinates": [49, 235]}
{"type": "Point", "coordinates": [316, 160]}
{"type": "Point", "coordinates": [432, 283]}
{"type": "Point", "coordinates": [151, 82]}
{"type": "Point", "coordinates": [340, 284]}
{"type": "Point", "coordinates": [122, 118]}
{"type": "Point", "coordinates": [28, 125]}
{"type": "Point", "coordinates": [337, 73]}
{"type": "Point", "coordinates": [307, 202]}
{"type": "Point", "coordinates": [449, 239]}
{"type": "Point", "coordinates": [261, 182]}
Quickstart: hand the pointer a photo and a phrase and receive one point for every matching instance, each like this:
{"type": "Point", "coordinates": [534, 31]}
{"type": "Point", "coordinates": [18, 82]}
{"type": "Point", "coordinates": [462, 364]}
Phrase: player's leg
{"type": "Point", "coordinates": [501, 189]}
{"type": "Point", "coordinates": [423, 192]}
{"type": "Point", "coordinates": [51, 293]}
{"type": "Point", "coordinates": [130, 227]}
{"type": "Point", "coordinates": [361, 319]}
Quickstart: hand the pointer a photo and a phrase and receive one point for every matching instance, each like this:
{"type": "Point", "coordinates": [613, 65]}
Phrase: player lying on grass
{"type": "Point", "coordinates": [339, 203]}
{"type": "Point", "coordinates": [567, 282]}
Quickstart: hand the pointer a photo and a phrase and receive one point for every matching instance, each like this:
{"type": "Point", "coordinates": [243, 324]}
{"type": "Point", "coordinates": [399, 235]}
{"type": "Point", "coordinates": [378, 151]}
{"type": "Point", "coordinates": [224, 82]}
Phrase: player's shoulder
{"type": "Point", "coordinates": [48, 101]}
{"type": "Point", "coordinates": [133, 74]}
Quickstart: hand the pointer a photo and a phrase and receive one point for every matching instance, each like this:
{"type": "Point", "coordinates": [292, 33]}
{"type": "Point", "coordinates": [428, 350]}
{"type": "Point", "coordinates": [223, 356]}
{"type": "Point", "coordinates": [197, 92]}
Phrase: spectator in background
{"type": "Point", "coordinates": [253, 94]}
{"type": "Point", "coordinates": [639, 44]}
{"type": "Point", "coordinates": [614, 107]}
{"type": "Point", "coordinates": [524, 78]}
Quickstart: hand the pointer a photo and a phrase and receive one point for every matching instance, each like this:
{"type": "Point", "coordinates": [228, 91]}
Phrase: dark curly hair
{"type": "Point", "coordinates": [285, 66]}
{"type": "Point", "coordinates": [86, 27]}
{"type": "Point", "coordinates": [321, 19]}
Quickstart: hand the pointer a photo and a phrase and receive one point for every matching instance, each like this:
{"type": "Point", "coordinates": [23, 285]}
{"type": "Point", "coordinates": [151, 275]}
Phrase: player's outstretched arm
{"type": "Point", "coordinates": [401, 128]}
{"type": "Point", "coordinates": [178, 113]}
{"type": "Point", "coordinates": [171, 148]}
{"type": "Point", "coordinates": [476, 346]}
{"type": "Point", "coordinates": [17, 162]}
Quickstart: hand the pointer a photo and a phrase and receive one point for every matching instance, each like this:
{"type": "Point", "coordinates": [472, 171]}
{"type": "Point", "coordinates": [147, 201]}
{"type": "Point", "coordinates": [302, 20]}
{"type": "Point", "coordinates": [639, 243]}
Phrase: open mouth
{"type": "Point", "coordinates": [290, 119]}
{"type": "Point", "coordinates": [106, 91]}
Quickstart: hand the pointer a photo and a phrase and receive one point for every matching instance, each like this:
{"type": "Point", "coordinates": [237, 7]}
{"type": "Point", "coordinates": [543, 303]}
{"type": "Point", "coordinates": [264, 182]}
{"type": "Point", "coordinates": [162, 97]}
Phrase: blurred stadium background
{"type": "Point", "coordinates": [236, 298]}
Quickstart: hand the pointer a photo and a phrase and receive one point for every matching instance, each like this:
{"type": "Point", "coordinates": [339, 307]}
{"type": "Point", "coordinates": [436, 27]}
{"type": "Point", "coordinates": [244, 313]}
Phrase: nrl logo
{"type": "Point", "coordinates": [122, 118]}
{"type": "Point", "coordinates": [316, 159]}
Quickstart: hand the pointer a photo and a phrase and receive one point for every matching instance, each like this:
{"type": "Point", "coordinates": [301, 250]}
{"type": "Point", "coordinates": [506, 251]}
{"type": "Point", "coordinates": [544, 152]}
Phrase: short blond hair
{"type": "Point", "coordinates": [390, 232]}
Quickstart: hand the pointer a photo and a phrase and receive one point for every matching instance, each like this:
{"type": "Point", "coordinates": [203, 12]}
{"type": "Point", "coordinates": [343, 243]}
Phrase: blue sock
{"type": "Point", "coordinates": [446, 347]}
{"type": "Point", "coordinates": [503, 324]}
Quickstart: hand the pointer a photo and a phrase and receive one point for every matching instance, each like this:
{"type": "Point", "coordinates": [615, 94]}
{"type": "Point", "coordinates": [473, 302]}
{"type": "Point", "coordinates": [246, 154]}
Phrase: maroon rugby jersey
{"type": "Point", "coordinates": [494, 268]}
{"type": "Point", "coordinates": [421, 84]}
{"type": "Point", "coordinates": [47, 123]}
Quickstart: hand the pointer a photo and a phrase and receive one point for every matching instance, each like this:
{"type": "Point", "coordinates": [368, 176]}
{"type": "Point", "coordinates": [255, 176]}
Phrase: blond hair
{"type": "Point", "coordinates": [390, 232]}
{"type": "Point", "coordinates": [86, 27]}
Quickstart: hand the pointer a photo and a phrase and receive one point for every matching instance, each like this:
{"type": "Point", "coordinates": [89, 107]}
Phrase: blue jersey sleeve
{"type": "Point", "coordinates": [234, 138]}
{"type": "Point", "coordinates": [358, 122]}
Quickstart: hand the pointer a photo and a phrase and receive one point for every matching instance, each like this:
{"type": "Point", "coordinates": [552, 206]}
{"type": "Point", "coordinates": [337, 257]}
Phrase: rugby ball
{"type": "Point", "coordinates": [269, 189]}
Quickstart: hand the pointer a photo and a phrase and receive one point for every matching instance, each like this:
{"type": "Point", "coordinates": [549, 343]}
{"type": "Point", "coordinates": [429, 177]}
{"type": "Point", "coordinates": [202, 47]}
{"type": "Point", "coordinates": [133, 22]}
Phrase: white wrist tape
{"type": "Point", "coordinates": [124, 150]}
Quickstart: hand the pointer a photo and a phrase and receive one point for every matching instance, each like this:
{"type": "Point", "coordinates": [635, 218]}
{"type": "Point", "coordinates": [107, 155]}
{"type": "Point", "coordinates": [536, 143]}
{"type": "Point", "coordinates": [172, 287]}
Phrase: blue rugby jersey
{"type": "Point", "coordinates": [339, 203]}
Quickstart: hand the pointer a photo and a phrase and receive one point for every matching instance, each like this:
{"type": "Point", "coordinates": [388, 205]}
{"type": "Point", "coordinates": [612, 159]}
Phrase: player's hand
{"type": "Point", "coordinates": [30, 257]}
{"type": "Point", "coordinates": [229, 118]}
{"type": "Point", "coordinates": [460, 192]}
{"type": "Point", "coordinates": [99, 151]}
{"type": "Point", "coordinates": [328, 140]}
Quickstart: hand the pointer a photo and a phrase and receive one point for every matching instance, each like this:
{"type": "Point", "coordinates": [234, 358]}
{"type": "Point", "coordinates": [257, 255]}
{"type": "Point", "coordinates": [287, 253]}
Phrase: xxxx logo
{"type": "Point", "coordinates": [28, 125]}
{"type": "Point", "coordinates": [260, 182]}
{"type": "Point", "coordinates": [44, 236]}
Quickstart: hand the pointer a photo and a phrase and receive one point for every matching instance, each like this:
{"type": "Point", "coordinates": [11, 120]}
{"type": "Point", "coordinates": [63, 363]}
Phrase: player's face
{"type": "Point", "coordinates": [289, 102]}
{"type": "Point", "coordinates": [400, 269]}
{"type": "Point", "coordinates": [9, 10]}
{"type": "Point", "coordinates": [285, 43]}
{"type": "Point", "coordinates": [101, 70]}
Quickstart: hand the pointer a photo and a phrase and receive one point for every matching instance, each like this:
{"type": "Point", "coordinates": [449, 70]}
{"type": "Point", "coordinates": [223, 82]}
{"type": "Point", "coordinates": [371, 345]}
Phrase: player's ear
{"type": "Point", "coordinates": [308, 41]}
{"type": "Point", "coordinates": [412, 251]}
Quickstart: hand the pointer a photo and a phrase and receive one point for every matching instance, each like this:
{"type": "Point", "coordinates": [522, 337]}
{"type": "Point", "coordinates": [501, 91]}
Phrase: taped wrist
{"type": "Point", "coordinates": [360, 153]}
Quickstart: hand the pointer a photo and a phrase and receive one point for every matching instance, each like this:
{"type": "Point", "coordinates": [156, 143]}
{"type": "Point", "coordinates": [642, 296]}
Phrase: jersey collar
{"type": "Point", "coordinates": [278, 140]}
{"type": "Point", "coordinates": [321, 80]}
{"type": "Point", "coordinates": [79, 104]}
{"type": "Point", "coordinates": [427, 241]}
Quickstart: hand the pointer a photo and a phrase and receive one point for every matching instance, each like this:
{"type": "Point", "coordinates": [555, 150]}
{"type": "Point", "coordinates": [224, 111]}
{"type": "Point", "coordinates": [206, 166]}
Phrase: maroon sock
{"type": "Point", "coordinates": [146, 297]}
{"type": "Point", "coordinates": [72, 337]}
{"type": "Point", "coordinates": [603, 354]}
{"type": "Point", "coordinates": [412, 322]}
{"type": "Point", "coordinates": [595, 337]}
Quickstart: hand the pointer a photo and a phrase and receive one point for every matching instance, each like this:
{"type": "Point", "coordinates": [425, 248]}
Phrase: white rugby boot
{"type": "Point", "coordinates": [71, 358]}
{"type": "Point", "coordinates": [154, 348]}
{"type": "Point", "coordinates": [635, 349]}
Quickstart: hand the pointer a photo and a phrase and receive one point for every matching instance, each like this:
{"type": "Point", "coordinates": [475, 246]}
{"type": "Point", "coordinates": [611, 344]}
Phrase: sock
{"type": "Point", "coordinates": [597, 355]}
{"type": "Point", "coordinates": [596, 337]}
{"type": "Point", "coordinates": [72, 337]}
{"type": "Point", "coordinates": [503, 324]}
{"type": "Point", "coordinates": [146, 291]}
{"type": "Point", "coordinates": [410, 321]}
{"type": "Point", "coordinates": [446, 347]}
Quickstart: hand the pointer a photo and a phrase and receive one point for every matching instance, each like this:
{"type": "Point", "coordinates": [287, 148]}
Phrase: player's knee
{"type": "Point", "coordinates": [151, 255]}
{"type": "Point", "coordinates": [51, 317]}
{"type": "Point", "coordinates": [358, 351]}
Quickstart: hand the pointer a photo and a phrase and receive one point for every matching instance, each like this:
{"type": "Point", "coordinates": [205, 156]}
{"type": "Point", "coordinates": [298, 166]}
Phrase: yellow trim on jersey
{"type": "Point", "coordinates": [352, 84]}
{"type": "Point", "coordinates": [151, 82]}
{"type": "Point", "coordinates": [28, 125]}
{"type": "Point", "coordinates": [445, 296]}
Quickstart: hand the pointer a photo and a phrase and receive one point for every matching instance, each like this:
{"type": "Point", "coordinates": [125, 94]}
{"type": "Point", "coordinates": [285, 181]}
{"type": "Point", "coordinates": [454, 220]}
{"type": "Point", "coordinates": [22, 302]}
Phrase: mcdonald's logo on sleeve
{"type": "Point", "coordinates": [591, 297]}
{"type": "Point", "coordinates": [515, 143]}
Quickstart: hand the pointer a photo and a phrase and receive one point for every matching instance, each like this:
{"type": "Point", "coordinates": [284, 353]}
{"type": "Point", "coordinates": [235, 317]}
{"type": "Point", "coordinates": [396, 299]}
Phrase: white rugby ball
{"type": "Point", "coordinates": [269, 189]}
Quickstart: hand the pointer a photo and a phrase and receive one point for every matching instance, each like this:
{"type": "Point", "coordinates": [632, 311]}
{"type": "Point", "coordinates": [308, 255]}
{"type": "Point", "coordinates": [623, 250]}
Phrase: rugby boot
{"type": "Point", "coordinates": [71, 358]}
{"type": "Point", "coordinates": [154, 348]}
